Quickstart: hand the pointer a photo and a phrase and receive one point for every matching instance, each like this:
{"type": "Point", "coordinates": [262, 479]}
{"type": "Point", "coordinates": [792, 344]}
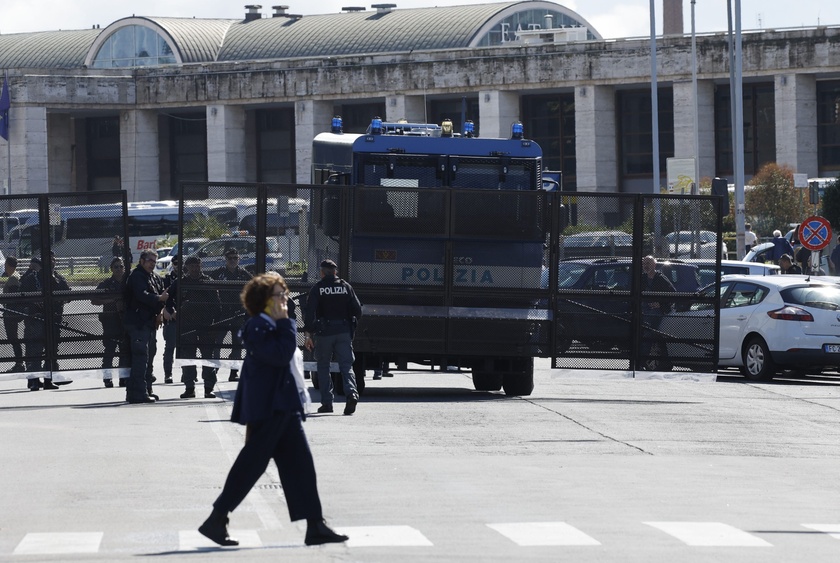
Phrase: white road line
{"type": "Point", "coordinates": [384, 536]}
{"type": "Point", "coordinates": [543, 533]}
{"type": "Point", "coordinates": [258, 498]}
{"type": "Point", "coordinates": [192, 540]}
{"type": "Point", "coordinates": [59, 543]}
{"type": "Point", "coordinates": [832, 530]}
{"type": "Point", "coordinates": [709, 534]}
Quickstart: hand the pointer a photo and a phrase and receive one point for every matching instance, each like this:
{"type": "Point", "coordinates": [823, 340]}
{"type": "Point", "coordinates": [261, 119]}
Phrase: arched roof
{"type": "Point", "coordinates": [194, 40]}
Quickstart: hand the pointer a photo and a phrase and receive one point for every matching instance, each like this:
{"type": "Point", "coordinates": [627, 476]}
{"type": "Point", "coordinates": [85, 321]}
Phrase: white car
{"type": "Point", "coordinates": [694, 244]}
{"type": "Point", "coordinates": [709, 272]}
{"type": "Point", "coordinates": [766, 324]}
{"type": "Point", "coordinates": [164, 263]}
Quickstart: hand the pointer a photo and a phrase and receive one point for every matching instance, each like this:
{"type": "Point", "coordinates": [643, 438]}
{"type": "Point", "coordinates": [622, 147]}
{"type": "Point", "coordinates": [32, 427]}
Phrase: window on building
{"type": "Point", "coordinates": [635, 132]}
{"type": "Point", "coordinates": [188, 150]}
{"type": "Point", "coordinates": [828, 127]}
{"type": "Point", "coordinates": [134, 45]}
{"type": "Point", "coordinates": [759, 128]}
{"type": "Point", "coordinates": [451, 109]}
{"type": "Point", "coordinates": [276, 146]}
{"type": "Point", "coordinates": [355, 118]}
{"type": "Point", "coordinates": [507, 30]}
{"type": "Point", "coordinates": [550, 121]}
{"type": "Point", "coordinates": [103, 153]}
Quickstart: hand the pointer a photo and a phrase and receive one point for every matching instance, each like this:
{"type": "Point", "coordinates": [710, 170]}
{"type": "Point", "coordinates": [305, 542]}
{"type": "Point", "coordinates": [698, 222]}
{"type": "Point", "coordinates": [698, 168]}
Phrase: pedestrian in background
{"type": "Point", "coordinates": [270, 400]}
{"type": "Point", "coordinates": [781, 246]}
{"type": "Point", "coordinates": [113, 308]}
{"type": "Point", "coordinates": [332, 309]}
{"type": "Point", "coordinates": [11, 316]}
{"type": "Point", "coordinates": [787, 265]}
{"type": "Point", "coordinates": [232, 314]}
{"type": "Point", "coordinates": [749, 237]}
{"type": "Point", "coordinates": [198, 309]}
{"type": "Point", "coordinates": [144, 300]}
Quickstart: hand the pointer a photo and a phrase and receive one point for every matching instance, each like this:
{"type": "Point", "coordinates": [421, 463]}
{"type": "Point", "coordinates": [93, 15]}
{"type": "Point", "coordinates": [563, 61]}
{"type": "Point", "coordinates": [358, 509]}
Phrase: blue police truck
{"type": "Point", "coordinates": [444, 238]}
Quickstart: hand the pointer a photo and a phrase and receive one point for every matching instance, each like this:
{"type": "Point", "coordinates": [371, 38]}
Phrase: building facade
{"type": "Point", "coordinates": [147, 103]}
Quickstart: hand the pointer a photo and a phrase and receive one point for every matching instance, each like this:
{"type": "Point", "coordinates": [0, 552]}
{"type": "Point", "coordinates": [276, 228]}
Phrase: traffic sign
{"type": "Point", "coordinates": [815, 233]}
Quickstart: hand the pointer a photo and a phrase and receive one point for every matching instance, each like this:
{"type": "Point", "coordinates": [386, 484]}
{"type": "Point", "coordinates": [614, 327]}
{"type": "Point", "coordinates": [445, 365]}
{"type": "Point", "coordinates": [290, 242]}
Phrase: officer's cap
{"type": "Point", "coordinates": [329, 264]}
{"type": "Point", "coordinates": [192, 260]}
{"type": "Point", "coordinates": [231, 251]}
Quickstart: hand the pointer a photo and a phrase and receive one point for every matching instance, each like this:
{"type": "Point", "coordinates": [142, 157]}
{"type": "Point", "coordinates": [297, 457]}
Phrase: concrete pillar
{"type": "Point", "coordinates": [226, 143]}
{"type": "Point", "coordinates": [497, 111]}
{"type": "Point", "coordinates": [595, 142]}
{"type": "Point", "coordinates": [139, 155]}
{"type": "Point", "coordinates": [410, 108]}
{"type": "Point", "coordinates": [28, 143]}
{"type": "Point", "coordinates": [311, 117]}
{"type": "Point", "coordinates": [796, 122]}
{"type": "Point", "coordinates": [60, 141]}
{"type": "Point", "coordinates": [684, 124]}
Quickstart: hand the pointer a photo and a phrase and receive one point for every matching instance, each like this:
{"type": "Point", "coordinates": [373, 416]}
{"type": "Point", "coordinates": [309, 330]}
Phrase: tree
{"type": "Point", "coordinates": [831, 204]}
{"type": "Point", "coordinates": [771, 201]}
{"type": "Point", "coordinates": [202, 226]}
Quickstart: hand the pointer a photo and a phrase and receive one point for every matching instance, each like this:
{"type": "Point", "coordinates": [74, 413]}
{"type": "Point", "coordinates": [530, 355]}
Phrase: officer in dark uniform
{"type": "Point", "coordinates": [144, 300]}
{"type": "Point", "coordinates": [59, 283]}
{"type": "Point", "coordinates": [32, 283]}
{"type": "Point", "coordinates": [170, 317]}
{"type": "Point", "coordinates": [111, 317]}
{"type": "Point", "coordinates": [200, 307]}
{"type": "Point", "coordinates": [332, 309]}
{"type": "Point", "coordinates": [232, 314]}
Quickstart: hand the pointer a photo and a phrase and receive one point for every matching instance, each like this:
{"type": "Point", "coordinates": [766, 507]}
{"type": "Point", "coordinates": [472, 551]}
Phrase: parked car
{"type": "Point", "coordinates": [766, 324]}
{"type": "Point", "coordinates": [761, 253]}
{"type": "Point", "coordinates": [164, 263]}
{"type": "Point", "coordinates": [708, 268]}
{"type": "Point", "coordinates": [694, 244]}
{"type": "Point", "coordinates": [596, 243]}
{"type": "Point", "coordinates": [595, 301]}
{"type": "Point", "coordinates": [212, 253]}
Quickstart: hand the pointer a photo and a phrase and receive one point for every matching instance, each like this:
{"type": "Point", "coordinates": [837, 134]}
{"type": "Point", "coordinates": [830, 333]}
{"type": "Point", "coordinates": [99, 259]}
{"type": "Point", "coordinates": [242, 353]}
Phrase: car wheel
{"type": "Point", "coordinates": [487, 381]}
{"type": "Point", "coordinates": [758, 364]}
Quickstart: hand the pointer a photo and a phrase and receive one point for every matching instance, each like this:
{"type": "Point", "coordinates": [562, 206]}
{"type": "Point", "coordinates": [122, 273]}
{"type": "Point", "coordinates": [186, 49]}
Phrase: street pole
{"type": "Point", "coordinates": [695, 189]}
{"type": "Point", "coordinates": [654, 111]}
{"type": "Point", "coordinates": [738, 156]}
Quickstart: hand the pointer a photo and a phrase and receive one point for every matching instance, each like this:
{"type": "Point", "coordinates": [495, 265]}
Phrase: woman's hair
{"type": "Point", "coordinates": [258, 290]}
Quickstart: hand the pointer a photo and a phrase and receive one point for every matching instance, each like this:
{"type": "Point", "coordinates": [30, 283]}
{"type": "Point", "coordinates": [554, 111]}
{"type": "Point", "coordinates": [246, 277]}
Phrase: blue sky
{"type": "Point", "coordinates": [612, 19]}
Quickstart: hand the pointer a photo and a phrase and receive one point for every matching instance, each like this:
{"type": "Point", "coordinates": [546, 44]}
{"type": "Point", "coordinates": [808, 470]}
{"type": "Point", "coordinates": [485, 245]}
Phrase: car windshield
{"type": "Point", "coordinates": [817, 297]}
{"type": "Point", "coordinates": [569, 274]}
{"type": "Point", "coordinates": [599, 239]}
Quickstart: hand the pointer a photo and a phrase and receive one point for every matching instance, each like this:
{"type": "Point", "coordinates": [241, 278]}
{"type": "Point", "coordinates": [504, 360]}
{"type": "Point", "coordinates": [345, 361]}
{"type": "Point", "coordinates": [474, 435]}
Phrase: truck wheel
{"type": "Point", "coordinates": [521, 383]}
{"type": "Point", "coordinates": [486, 381]}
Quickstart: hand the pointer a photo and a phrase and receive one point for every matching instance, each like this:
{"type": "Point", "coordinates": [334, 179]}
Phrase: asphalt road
{"type": "Point", "coordinates": [587, 468]}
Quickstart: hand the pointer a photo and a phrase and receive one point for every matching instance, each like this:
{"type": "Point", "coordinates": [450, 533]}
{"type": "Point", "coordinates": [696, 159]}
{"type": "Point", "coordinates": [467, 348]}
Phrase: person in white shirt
{"type": "Point", "coordinates": [749, 237]}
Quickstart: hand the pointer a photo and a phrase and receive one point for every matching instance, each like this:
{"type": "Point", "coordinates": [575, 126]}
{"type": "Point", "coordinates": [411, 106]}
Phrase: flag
{"type": "Point", "coordinates": [5, 104]}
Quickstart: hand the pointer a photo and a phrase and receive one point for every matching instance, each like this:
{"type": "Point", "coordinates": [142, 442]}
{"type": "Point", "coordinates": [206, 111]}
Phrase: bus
{"type": "Point", "coordinates": [89, 230]}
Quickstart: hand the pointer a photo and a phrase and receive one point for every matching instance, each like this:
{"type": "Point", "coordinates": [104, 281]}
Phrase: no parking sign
{"type": "Point", "coordinates": [815, 233]}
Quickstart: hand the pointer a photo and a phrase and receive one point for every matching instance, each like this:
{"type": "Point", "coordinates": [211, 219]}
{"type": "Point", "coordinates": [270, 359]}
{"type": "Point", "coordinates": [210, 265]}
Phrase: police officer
{"type": "Point", "coordinates": [32, 282]}
{"type": "Point", "coordinates": [59, 283]}
{"type": "Point", "coordinates": [170, 317]}
{"type": "Point", "coordinates": [232, 313]}
{"type": "Point", "coordinates": [331, 312]}
{"type": "Point", "coordinates": [111, 317]}
{"type": "Point", "coordinates": [144, 300]}
{"type": "Point", "coordinates": [199, 306]}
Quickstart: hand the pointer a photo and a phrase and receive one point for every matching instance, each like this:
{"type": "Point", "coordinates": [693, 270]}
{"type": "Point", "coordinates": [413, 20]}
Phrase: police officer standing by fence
{"type": "Point", "coordinates": [198, 310]}
{"type": "Point", "coordinates": [232, 314]}
{"type": "Point", "coordinates": [332, 309]}
{"type": "Point", "coordinates": [111, 317]}
{"type": "Point", "coordinates": [144, 299]}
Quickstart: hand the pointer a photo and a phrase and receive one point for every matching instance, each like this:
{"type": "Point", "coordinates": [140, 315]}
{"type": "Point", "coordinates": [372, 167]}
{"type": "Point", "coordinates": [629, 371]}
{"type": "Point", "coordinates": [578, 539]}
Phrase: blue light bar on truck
{"type": "Point", "coordinates": [517, 130]}
{"type": "Point", "coordinates": [337, 124]}
{"type": "Point", "coordinates": [376, 126]}
{"type": "Point", "coordinates": [469, 128]}
{"type": "Point", "coordinates": [405, 128]}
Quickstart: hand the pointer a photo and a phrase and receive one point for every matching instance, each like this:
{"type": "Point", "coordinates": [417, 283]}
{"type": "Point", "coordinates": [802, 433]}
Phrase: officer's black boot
{"type": "Point", "coordinates": [215, 528]}
{"type": "Point", "coordinates": [317, 533]}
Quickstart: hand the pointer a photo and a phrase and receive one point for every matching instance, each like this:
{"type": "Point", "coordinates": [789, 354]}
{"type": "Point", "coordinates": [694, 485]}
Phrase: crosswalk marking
{"type": "Point", "coordinates": [543, 533]}
{"type": "Point", "coordinates": [832, 530]}
{"type": "Point", "coordinates": [59, 543]}
{"type": "Point", "coordinates": [709, 534]}
{"type": "Point", "coordinates": [384, 536]}
{"type": "Point", "coordinates": [192, 540]}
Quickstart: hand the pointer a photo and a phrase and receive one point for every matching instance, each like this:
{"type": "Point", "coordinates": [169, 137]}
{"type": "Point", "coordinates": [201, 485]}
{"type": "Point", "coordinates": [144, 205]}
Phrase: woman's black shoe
{"type": "Point", "coordinates": [215, 528]}
{"type": "Point", "coordinates": [317, 533]}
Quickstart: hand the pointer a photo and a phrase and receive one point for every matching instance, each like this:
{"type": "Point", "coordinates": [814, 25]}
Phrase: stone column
{"type": "Point", "coordinates": [29, 151]}
{"type": "Point", "coordinates": [497, 111]}
{"type": "Point", "coordinates": [311, 117]}
{"type": "Point", "coordinates": [140, 155]}
{"type": "Point", "coordinates": [60, 141]}
{"type": "Point", "coordinates": [796, 122]}
{"type": "Point", "coordinates": [684, 124]}
{"type": "Point", "coordinates": [410, 108]}
{"type": "Point", "coordinates": [226, 143]}
{"type": "Point", "coordinates": [595, 142]}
